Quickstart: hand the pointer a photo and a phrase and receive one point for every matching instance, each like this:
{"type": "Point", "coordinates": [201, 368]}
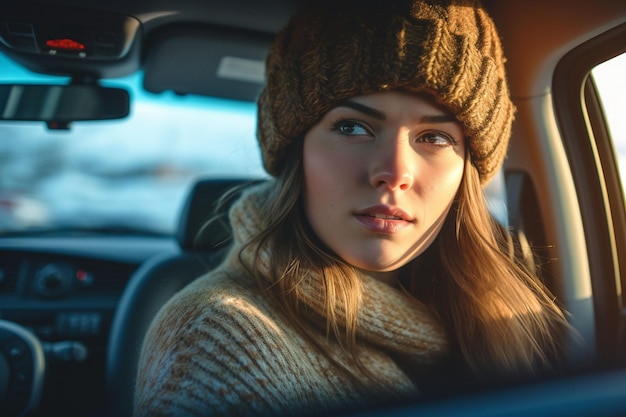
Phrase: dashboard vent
{"type": "Point", "coordinates": [9, 274]}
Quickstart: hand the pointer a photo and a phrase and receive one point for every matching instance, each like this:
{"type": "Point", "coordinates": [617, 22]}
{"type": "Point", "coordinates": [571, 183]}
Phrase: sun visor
{"type": "Point", "coordinates": [208, 61]}
{"type": "Point", "coordinates": [70, 41]}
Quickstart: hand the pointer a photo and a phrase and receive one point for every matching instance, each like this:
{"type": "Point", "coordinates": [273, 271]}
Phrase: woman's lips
{"type": "Point", "coordinates": [383, 219]}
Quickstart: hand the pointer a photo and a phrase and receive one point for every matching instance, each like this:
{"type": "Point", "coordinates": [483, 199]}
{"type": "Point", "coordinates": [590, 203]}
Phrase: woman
{"type": "Point", "coordinates": [369, 269]}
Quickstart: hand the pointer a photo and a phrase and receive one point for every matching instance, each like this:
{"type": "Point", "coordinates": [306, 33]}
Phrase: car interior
{"type": "Point", "coordinates": [80, 282]}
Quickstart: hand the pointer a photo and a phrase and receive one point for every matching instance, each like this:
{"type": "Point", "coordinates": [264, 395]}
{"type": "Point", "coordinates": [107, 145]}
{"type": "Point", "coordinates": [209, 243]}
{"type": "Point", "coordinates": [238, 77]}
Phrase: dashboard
{"type": "Point", "coordinates": [58, 296]}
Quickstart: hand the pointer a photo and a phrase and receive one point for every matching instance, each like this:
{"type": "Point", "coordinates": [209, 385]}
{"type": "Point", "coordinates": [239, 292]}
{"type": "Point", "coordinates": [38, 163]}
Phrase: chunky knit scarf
{"type": "Point", "coordinates": [222, 347]}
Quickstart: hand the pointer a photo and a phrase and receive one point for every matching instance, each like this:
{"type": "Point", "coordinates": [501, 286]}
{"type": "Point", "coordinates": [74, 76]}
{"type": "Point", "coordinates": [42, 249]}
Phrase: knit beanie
{"type": "Point", "coordinates": [332, 51]}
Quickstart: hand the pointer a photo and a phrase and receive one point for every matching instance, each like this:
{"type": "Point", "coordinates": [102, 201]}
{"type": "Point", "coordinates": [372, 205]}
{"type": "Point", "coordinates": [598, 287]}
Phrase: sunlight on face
{"type": "Point", "coordinates": [381, 172]}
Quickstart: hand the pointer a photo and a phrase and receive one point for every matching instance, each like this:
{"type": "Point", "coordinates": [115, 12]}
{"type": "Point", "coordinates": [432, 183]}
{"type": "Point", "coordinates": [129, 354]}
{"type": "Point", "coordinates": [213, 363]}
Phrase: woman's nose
{"type": "Point", "coordinates": [393, 165]}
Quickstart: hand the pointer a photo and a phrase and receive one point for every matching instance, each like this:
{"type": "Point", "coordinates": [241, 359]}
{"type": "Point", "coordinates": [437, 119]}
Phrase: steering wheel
{"type": "Point", "coordinates": [22, 369]}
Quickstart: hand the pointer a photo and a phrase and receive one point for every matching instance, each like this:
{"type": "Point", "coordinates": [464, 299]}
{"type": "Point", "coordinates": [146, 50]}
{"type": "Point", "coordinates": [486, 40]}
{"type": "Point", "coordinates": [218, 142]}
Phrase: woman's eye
{"type": "Point", "coordinates": [350, 128]}
{"type": "Point", "coordinates": [436, 138]}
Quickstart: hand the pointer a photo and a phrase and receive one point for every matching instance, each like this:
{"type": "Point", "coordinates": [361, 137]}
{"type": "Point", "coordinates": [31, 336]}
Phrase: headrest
{"type": "Point", "coordinates": [205, 201]}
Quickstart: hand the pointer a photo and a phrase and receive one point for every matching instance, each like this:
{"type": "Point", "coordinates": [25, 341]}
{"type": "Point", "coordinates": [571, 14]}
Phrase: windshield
{"type": "Point", "coordinates": [130, 174]}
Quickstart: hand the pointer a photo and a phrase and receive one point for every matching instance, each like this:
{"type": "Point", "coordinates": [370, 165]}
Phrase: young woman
{"type": "Point", "coordinates": [369, 269]}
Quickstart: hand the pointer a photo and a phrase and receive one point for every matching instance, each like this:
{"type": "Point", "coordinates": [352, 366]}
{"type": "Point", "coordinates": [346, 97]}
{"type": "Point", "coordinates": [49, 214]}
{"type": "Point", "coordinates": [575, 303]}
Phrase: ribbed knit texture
{"type": "Point", "coordinates": [222, 347]}
{"type": "Point", "coordinates": [337, 50]}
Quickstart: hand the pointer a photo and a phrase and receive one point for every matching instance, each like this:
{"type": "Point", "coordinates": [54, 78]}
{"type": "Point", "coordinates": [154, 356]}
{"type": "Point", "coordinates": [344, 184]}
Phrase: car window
{"type": "Point", "coordinates": [611, 85]}
{"type": "Point", "coordinates": [124, 175]}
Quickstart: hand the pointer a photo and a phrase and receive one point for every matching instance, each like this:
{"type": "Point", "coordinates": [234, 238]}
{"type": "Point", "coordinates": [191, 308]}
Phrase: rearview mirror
{"type": "Point", "coordinates": [58, 105]}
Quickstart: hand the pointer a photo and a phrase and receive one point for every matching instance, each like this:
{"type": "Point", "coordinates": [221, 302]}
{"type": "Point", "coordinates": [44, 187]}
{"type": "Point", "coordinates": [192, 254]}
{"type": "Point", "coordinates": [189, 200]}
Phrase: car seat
{"type": "Point", "coordinates": [202, 247]}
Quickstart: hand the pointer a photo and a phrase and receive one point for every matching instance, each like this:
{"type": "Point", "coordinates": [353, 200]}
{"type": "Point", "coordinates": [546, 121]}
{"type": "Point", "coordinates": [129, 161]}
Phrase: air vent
{"type": "Point", "coordinates": [9, 274]}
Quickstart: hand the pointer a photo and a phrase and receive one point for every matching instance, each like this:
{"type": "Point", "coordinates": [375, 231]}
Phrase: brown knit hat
{"type": "Point", "coordinates": [332, 51]}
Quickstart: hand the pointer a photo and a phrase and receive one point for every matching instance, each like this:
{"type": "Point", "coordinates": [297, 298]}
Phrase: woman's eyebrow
{"type": "Point", "coordinates": [377, 114]}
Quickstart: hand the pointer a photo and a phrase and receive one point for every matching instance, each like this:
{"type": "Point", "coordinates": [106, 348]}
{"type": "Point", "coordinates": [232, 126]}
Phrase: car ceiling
{"type": "Point", "coordinates": [265, 15]}
{"type": "Point", "coordinates": [168, 33]}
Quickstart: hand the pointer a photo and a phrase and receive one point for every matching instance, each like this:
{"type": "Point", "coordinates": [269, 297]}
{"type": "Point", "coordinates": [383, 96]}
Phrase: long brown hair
{"type": "Point", "coordinates": [500, 316]}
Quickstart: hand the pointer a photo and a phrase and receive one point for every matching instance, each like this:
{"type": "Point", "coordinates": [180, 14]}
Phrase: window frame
{"type": "Point", "coordinates": [594, 170]}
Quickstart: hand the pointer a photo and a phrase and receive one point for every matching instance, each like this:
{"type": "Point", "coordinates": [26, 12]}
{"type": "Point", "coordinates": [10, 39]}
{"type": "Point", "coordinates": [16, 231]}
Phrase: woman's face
{"type": "Point", "coordinates": [381, 172]}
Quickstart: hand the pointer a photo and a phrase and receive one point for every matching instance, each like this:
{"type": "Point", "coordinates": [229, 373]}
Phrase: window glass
{"type": "Point", "coordinates": [610, 80]}
{"type": "Point", "coordinates": [129, 175]}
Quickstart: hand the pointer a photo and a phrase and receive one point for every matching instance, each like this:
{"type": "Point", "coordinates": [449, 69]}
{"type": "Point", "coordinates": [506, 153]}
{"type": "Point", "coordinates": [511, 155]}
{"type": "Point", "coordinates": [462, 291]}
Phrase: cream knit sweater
{"type": "Point", "coordinates": [221, 347]}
